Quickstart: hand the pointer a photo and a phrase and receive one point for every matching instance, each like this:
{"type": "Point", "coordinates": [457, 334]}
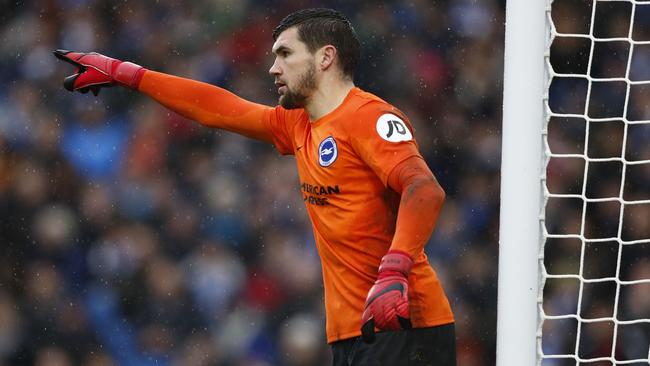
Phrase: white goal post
{"type": "Point", "coordinates": [574, 246]}
{"type": "Point", "coordinates": [521, 190]}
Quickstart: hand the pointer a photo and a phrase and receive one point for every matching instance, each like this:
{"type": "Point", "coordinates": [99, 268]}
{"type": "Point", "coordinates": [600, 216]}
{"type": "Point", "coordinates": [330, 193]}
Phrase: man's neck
{"type": "Point", "coordinates": [327, 97]}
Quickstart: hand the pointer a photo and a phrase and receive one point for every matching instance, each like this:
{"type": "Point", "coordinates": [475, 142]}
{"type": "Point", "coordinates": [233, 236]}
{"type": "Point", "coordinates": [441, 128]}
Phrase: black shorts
{"type": "Point", "coordinates": [414, 347]}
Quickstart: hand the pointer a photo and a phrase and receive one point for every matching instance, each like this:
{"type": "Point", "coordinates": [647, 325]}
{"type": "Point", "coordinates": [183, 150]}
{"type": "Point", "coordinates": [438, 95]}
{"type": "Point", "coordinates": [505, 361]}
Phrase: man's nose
{"type": "Point", "coordinates": [275, 69]}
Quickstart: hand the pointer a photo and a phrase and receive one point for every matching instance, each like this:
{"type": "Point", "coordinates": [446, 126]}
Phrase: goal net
{"type": "Point", "coordinates": [594, 262]}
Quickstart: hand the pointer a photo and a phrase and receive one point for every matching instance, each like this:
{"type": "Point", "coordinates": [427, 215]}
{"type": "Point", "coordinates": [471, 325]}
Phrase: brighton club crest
{"type": "Point", "coordinates": [327, 152]}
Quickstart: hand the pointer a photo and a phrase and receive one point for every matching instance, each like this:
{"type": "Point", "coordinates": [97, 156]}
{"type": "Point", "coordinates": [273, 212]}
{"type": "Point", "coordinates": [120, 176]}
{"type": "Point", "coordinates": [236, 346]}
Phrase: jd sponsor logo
{"type": "Point", "coordinates": [392, 128]}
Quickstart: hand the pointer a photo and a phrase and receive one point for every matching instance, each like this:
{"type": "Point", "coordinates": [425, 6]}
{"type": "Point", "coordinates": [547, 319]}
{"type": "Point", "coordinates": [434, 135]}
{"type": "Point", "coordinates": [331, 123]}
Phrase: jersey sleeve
{"type": "Point", "coordinates": [383, 137]}
{"type": "Point", "coordinates": [216, 107]}
{"type": "Point", "coordinates": [281, 123]}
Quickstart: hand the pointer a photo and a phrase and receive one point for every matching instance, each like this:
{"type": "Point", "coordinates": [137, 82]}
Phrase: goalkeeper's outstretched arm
{"type": "Point", "coordinates": [207, 104]}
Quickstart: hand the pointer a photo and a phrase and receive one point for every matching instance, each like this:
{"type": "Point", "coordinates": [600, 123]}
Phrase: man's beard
{"type": "Point", "coordinates": [298, 99]}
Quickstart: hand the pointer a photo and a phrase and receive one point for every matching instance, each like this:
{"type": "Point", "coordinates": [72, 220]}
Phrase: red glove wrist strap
{"type": "Point", "coordinates": [128, 74]}
{"type": "Point", "coordinates": [396, 261]}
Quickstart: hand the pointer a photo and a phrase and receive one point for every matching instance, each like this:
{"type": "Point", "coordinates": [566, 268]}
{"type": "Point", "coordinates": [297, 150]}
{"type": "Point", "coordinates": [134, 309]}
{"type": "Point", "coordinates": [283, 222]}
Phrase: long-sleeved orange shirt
{"type": "Point", "coordinates": [345, 160]}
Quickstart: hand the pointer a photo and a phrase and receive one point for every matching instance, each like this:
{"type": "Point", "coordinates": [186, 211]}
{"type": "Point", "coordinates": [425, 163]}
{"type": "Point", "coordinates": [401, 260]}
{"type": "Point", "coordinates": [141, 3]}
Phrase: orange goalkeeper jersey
{"type": "Point", "coordinates": [344, 160]}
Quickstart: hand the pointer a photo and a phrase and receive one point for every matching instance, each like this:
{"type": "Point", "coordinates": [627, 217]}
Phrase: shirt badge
{"type": "Point", "coordinates": [327, 152]}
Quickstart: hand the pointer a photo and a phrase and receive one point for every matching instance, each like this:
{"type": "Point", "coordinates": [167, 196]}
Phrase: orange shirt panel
{"type": "Point", "coordinates": [344, 160]}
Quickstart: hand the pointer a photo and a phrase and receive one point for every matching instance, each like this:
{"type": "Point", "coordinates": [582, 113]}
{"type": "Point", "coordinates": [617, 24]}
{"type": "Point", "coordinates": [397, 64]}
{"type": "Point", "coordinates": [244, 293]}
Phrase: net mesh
{"type": "Point", "coordinates": [594, 303]}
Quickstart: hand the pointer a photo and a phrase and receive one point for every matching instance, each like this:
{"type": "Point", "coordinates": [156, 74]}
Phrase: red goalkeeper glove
{"type": "Point", "coordinates": [95, 71]}
{"type": "Point", "coordinates": [387, 304]}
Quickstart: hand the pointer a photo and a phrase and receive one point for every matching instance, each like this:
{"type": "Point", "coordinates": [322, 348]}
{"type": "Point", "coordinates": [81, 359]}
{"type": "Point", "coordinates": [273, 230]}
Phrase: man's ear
{"type": "Point", "coordinates": [326, 57]}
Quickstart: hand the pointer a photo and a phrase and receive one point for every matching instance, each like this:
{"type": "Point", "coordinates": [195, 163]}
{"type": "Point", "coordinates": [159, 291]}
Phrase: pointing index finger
{"type": "Point", "coordinates": [62, 55]}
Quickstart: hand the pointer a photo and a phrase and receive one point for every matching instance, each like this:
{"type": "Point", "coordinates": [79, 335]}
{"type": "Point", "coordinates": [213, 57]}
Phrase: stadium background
{"type": "Point", "coordinates": [132, 236]}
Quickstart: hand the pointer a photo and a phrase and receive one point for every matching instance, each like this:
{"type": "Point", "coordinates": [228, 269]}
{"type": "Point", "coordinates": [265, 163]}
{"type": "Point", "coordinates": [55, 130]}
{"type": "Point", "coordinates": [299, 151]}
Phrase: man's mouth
{"type": "Point", "coordinates": [282, 87]}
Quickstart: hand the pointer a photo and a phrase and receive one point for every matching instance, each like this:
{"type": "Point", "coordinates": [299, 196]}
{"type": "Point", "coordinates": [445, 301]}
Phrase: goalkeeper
{"type": "Point", "coordinates": [371, 198]}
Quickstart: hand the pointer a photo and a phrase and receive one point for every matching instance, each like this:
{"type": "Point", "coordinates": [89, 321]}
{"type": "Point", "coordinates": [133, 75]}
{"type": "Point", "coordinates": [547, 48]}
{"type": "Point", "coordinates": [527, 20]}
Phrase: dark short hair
{"type": "Point", "coordinates": [318, 27]}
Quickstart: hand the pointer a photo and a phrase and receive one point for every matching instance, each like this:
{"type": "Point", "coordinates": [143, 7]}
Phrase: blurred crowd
{"type": "Point", "coordinates": [132, 236]}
